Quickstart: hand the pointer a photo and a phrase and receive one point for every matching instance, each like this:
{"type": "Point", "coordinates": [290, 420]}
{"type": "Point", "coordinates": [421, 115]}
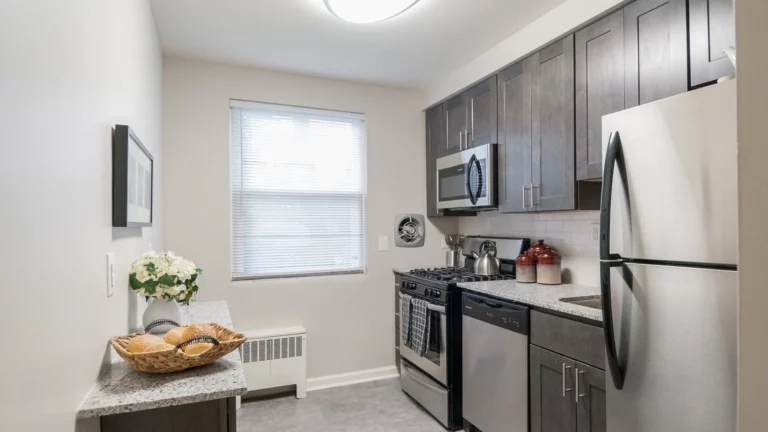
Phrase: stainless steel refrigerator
{"type": "Point", "coordinates": [668, 254]}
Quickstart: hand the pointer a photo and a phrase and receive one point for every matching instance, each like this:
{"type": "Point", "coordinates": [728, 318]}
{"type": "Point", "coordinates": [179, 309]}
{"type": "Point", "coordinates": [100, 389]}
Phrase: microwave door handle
{"type": "Point", "coordinates": [468, 176]}
{"type": "Point", "coordinates": [614, 156]}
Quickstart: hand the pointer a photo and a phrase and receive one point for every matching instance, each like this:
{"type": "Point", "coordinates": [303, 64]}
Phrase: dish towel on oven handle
{"type": "Point", "coordinates": [420, 323]}
{"type": "Point", "coordinates": [405, 311]}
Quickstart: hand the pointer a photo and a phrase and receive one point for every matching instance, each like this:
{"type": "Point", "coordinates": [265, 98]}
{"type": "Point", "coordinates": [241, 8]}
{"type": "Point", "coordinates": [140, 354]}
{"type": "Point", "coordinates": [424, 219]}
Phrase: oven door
{"type": "Point", "coordinates": [435, 361]}
{"type": "Point", "coordinates": [467, 179]}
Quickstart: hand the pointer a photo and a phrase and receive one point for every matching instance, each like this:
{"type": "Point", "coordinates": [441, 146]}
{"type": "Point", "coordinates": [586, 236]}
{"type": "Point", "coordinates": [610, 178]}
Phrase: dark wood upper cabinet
{"type": "Point", "coordinates": [455, 125]}
{"type": "Point", "coordinates": [591, 408]}
{"type": "Point", "coordinates": [655, 49]}
{"type": "Point", "coordinates": [554, 182]}
{"type": "Point", "coordinates": [516, 99]}
{"type": "Point", "coordinates": [483, 107]}
{"type": "Point", "coordinates": [552, 391]}
{"type": "Point", "coordinates": [711, 30]}
{"type": "Point", "coordinates": [435, 142]}
{"type": "Point", "coordinates": [536, 131]}
{"type": "Point", "coordinates": [599, 88]}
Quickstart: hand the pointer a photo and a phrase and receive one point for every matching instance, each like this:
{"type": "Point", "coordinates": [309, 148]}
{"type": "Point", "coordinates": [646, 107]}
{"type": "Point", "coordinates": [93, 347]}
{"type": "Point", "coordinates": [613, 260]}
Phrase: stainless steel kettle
{"type": "Point", "coordinates": [486, 264]}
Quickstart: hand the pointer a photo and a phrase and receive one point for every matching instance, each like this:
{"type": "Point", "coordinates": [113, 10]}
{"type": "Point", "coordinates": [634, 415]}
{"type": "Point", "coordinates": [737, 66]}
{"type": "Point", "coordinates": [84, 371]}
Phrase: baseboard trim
{"type": "Point", "coordinates": [357, 377]}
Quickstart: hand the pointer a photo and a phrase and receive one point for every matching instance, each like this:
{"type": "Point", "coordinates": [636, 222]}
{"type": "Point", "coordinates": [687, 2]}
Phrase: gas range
{"type": "Point", "coordinates": [451, 275]}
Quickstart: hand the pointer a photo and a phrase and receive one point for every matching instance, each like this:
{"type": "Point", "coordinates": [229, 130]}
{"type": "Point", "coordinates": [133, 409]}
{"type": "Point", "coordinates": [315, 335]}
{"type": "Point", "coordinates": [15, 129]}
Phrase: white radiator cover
{"type": "Point", "coordinates": [275, 358]}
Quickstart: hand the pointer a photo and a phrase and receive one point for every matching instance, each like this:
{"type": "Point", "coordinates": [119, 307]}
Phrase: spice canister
{"type": "Point", "coordinates": [525, 268]}
{"type": "Point", "coordinates": [548, 268]}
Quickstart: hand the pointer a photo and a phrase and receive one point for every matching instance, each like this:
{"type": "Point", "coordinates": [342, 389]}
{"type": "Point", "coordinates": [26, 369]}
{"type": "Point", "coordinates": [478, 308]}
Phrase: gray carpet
{"type": "Point", "coordinates": [378, 406]}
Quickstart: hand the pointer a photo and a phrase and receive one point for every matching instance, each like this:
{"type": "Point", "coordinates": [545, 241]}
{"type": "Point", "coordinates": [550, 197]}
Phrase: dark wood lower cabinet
{"type": "Point", "coordinates": [591, 409]}
{"type": "Point", "coordinates": [554, 391]}
{"type": "Point", "coordinates": [551, 380]}
{"type": "Point", "coordinates": [209, 416]}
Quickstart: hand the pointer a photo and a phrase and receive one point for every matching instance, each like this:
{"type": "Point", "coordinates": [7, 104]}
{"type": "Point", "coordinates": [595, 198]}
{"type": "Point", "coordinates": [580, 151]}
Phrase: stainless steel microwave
{"type": "Point", "coordinates": [467, 179]}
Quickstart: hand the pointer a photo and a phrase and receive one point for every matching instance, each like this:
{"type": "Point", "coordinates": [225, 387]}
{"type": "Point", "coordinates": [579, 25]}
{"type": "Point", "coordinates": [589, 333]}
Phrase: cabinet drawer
{"type": "Point", "coordinates": [579, 341]}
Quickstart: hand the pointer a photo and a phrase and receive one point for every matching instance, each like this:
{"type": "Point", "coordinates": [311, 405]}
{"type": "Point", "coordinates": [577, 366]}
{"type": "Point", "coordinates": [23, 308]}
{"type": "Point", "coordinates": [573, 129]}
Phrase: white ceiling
{"type": "Point", "coordinates": [426, 42]}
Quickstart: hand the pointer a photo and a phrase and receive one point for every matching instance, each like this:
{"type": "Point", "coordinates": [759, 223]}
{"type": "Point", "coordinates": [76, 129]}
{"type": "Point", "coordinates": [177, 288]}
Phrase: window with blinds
{"type": "Point", "coordinates": [298, 191]}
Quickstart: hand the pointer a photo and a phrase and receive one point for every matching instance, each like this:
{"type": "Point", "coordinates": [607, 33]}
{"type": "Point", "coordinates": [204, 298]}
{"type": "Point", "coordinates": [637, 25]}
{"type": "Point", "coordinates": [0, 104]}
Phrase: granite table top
{"type": "Point", "coordinates": [542, 296]}
{"type": "Point", "coordinates": [120, 389]}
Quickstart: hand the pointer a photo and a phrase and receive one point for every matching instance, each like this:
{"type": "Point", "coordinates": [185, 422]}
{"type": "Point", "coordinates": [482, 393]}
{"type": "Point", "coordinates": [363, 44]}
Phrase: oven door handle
{"type": "Point", "coordinates": [430, 306]}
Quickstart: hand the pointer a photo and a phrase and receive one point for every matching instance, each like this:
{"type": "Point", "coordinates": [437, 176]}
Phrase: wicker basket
{"type": "Point", "coordinates": [176, 359]}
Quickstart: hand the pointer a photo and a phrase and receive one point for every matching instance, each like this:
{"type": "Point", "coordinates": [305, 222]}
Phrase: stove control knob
{"type": "Point", "coordinates": [427, 292]}
{"type": "Point", "coordinates": [434, 293]}
{"type": "Point", "coordinates": [411, 285]}
{"type": "Point", "coordinates": [403, 284]}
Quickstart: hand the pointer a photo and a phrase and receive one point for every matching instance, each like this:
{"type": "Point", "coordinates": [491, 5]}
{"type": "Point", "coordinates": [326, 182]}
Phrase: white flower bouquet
{"type": "Point", "coordinates": [165, 275]}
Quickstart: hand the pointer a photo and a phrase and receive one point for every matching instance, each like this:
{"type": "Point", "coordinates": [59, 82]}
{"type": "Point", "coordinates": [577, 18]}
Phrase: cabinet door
{"type": "Point", "coordinates": [590, 409]}
{"type": "Point", "coordinates": [516, 99]}
{"type": "Point", "coordinates": [554, 179]}
{"type": "Point", "coordinates": [711, 30]}
{"type": "Point", "coordinates": [455, 125]}
{"type": "Point", "coordinates": [599, 88]}
{"type": "Point", "coordinates": [483, 113]}
{"type": "Point", "coordinates": [656, 50]}
{"type": "Point", "coordinates": [435, 142]}
{"type": "Point", "coordinates": [552, 401]}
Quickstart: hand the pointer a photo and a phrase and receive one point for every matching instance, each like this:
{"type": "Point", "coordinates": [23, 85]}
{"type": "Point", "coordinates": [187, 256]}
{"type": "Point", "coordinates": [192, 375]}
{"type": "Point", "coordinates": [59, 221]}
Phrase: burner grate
{"type": "Point", "coordinates": [455, 275]}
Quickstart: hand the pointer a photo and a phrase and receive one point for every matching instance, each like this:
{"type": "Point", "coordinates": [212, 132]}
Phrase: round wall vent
{"type": "Point", "coordinates": [409, 230]}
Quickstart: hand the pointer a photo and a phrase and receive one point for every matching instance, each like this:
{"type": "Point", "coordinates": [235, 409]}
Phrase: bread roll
{"type": "Point", "coordinates": [197, 348]}
{"type": "Point", "coordinates": [162, 346]}
{"type": "Point", "coordinates": [174, 336]}
{"type": "Point", "coordinates": [142, 343]}
{"type": "Point", "coordinates": [197, 329]}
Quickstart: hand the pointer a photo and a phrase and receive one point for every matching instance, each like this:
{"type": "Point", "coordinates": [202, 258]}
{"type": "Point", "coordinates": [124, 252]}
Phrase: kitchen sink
{"type": "Point", "coordinates": [589, 301]}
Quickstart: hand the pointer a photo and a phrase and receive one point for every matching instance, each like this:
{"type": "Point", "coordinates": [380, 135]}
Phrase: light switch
{"type": "Point", "coordinates": [383, 243]}
{"type": "Point", "coordinates": [595, 231]}
{"type": "Point", "coordinates": [110, 274]}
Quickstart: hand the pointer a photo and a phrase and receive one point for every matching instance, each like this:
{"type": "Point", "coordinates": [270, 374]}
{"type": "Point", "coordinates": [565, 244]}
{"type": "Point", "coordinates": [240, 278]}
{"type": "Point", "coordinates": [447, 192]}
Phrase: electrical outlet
{"type": "Point", "coordinates": [595, 231]}
{"type": "Point", "coordinates": [383, 243]}
{"type": "Point", "coordinates": [110, 274]}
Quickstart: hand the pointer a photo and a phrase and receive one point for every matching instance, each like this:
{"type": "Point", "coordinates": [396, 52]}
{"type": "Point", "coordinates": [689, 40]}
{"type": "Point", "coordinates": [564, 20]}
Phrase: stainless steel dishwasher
{"type": "Point", "coordinates": [494, 364]}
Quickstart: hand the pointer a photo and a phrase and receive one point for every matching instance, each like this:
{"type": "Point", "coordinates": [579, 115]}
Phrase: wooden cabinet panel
{"type": "Point", "coordinates": [435, 142]}
{"type": "Point", "coordinates": [591, 408]}
{"type": "Point", "coordinates": [711, 29]}
{"type": "Point", "coordinates": [516, 99]}
{"type": "Point", "coordinates": [656, 50]}
{"type": "Point", "coordinates": [455, 125]}
{"type": "Point", "coordinates": [209, 416]}
{"type": "Point", "coordinates": [554, 181]}
{"type": "Point", "coordinates": [483, 109]}
{"type": "Point", "coordinates": [552, 393]}
{"type": "Point", "coordinates": [599, 88]}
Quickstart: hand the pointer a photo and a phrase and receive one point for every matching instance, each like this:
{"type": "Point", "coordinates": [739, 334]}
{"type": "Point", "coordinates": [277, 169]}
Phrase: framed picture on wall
{"type": "Point", "coordinates": [132, 180]}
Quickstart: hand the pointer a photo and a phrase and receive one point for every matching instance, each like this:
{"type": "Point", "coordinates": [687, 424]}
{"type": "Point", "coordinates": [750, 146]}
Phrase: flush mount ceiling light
{"type": "Point", "coordinates": [367, 11]}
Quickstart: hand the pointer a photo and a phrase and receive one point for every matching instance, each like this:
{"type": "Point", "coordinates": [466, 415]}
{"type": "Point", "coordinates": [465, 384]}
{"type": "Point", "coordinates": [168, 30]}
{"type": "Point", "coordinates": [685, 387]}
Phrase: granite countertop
{"type": "Point", "coordinates": [542, 296]}
{"type": "Point", "coordinates": [121, 389]}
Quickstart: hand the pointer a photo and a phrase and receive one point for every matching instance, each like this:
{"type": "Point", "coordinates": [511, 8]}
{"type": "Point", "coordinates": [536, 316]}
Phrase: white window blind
{"type": "Point", "coordinates": [298, 190]}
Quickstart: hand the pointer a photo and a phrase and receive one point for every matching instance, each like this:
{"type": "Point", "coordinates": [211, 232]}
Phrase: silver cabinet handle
{"type": "Point", "coordinates": [576, 393]}
{"type": "Point", "coordinates": [565, 390]}
{"type": "Point", "coordinates": [461, 137]}
{"type": "Point", "coordinates": [466, 138]}
{"type": "Point", "coordinates": [525, 206]}
{"type": "Point", "coordinates": [533, 202]}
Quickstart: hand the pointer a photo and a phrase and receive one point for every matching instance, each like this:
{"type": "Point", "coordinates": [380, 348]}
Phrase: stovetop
{"type": "Point", "coordinates": [449, 275]}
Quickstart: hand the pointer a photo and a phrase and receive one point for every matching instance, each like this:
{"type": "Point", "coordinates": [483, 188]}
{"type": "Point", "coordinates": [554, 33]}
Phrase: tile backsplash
{"type": "Point", "coordinates": [571, 233]}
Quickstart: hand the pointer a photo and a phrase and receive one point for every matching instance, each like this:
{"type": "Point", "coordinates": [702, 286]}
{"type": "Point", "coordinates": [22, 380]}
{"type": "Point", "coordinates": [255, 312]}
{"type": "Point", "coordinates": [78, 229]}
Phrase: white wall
{"type": "Point", "coordinates": [349, 319]}
{"type": "Point", "coordinates": [69, 71]}
{"type": "Point", "coordinates": [570, 233]}
{"type": "Point", "coordinates": [547, 28]}
{"type": "Point", "coordinates": [752, 62]}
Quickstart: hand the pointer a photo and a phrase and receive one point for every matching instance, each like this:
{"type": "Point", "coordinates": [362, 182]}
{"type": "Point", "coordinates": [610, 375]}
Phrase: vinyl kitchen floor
{"type": "Point", "coordinates": [378, 406]}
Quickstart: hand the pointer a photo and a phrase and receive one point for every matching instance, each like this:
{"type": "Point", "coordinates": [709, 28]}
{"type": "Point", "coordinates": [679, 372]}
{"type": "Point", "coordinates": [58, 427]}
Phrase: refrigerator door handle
{"type": "Point", "coordinates": [613, 157]}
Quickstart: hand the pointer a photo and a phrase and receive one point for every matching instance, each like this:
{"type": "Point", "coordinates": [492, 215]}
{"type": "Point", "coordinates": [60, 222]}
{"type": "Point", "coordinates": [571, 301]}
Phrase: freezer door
{"type": "Point", "coordinates": [676, 336]}
{"type": "Point", "coordinates": [679, 201]}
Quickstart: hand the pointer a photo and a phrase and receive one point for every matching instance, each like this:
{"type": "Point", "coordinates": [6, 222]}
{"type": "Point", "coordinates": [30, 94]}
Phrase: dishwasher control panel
{"type": "Point", "coordinates": [502, 314]}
